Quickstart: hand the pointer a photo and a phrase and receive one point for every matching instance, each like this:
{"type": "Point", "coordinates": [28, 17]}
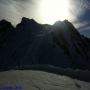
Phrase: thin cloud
{"type": "Point", "coordinates": [78, 9]}
{"type": "Point", "coordinates": [14, 10]}
{"type": "Point", "coordinates": [80, 25]}
{"type": "Point", "coordinates": [85, 28]}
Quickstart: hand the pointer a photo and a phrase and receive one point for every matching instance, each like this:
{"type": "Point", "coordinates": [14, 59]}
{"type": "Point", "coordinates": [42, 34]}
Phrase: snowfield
{"type": "Point", "coordinates": [40, 80]}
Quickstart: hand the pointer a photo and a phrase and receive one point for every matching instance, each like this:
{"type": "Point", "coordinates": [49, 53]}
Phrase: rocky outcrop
{"type": "Point", "coordinates": [31, 43]}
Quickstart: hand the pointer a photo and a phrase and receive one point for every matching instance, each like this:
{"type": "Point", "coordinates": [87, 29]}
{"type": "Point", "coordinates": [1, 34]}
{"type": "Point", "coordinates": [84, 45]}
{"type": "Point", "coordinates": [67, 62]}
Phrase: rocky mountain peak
{"type": "Point", "coordinates": [32, 43]}
{"type": "Point", "coordinates": [27, 20]}
{"type": "Point", "coordinates": [5, 25]}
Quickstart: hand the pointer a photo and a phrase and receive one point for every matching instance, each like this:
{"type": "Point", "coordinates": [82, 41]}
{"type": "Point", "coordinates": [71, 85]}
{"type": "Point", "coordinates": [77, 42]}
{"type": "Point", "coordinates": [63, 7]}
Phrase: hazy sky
{"type": "Point", "coordinates": [77, 11]}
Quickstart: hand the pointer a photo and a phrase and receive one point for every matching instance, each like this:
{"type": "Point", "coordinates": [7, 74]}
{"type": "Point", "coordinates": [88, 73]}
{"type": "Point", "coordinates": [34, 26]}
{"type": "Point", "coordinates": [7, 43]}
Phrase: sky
{"type": "Point", "coordinates": [47, 11]}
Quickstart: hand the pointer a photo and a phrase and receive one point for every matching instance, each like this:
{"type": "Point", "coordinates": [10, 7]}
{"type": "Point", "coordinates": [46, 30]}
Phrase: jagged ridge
{"type": "Point", "coordinates": [32, 43]}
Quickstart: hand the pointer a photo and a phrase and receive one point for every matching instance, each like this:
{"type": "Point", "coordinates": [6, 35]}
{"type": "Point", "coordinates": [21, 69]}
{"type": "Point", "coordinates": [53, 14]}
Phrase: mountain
{"type": "Point", "coordinates": [31, 43]}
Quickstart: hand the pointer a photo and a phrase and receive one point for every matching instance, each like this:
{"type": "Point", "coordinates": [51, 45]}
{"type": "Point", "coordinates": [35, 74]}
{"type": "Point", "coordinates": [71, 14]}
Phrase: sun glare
{"type": "Point", "coordinates": [53, 10]}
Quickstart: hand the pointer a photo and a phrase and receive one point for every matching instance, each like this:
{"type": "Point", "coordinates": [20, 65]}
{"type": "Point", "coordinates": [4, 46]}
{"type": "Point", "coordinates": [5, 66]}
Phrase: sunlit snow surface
{"type": "Point", "coordinates": [40, 80]}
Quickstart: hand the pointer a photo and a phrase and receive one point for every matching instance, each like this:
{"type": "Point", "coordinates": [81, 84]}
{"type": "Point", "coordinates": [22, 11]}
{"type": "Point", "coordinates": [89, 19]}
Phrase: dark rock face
{"type": "Point", "coordinates": [31, 43]}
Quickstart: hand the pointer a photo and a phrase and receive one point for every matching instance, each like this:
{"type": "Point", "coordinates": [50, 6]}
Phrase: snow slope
{"type": "Point", "coordinates": [39, 80]}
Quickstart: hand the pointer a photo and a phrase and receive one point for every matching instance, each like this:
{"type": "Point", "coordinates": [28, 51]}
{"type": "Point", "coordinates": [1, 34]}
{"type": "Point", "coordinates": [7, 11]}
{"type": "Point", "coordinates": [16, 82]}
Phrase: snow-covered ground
{"type": "Point", "coordinates": [39, 80]}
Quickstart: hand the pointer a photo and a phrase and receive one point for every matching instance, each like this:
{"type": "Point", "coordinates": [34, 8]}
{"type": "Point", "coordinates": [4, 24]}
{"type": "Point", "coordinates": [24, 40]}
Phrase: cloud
{"type": "Point", "coordinates": [86, 28]}
{"type": "Point", "coordinates": [14, 10]}
{"type": "Point", "coordinates": [85, 4]}
{"type": "Point", "coordinates": [80, 25]}
{"type": "Point", "coordinates": [78, 11]}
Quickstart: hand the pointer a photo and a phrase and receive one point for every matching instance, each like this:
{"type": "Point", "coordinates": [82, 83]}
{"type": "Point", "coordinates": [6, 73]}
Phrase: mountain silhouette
{"type": "Point", "coordinates": [31, 43]}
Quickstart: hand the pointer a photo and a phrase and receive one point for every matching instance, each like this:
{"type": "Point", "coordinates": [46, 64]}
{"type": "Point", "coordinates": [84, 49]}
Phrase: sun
{"type": "Point", "coordinates": [53, 10]}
